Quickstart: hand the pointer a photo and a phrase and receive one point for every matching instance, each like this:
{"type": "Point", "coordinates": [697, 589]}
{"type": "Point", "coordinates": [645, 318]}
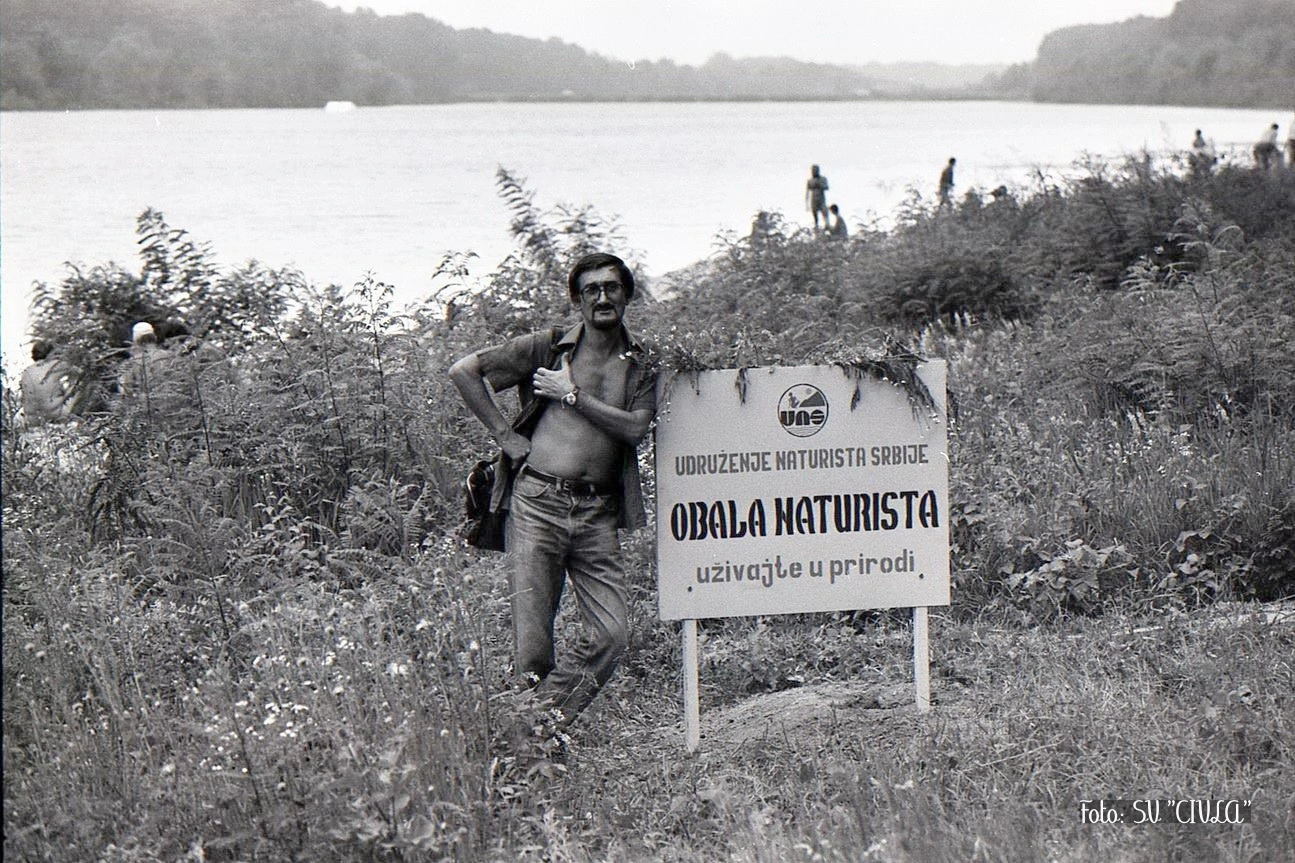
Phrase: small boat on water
{"type": "Point", "coordinates": [338, 106]}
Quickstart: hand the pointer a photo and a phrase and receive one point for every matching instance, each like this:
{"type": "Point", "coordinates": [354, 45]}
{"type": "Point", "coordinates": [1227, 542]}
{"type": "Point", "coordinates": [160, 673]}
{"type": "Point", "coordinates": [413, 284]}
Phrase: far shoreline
{"type": "Point", "coordinates": [558, 99]}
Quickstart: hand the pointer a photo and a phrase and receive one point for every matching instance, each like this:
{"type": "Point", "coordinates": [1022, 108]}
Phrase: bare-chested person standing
{"type": "Point", "coordinates": [576, 477]}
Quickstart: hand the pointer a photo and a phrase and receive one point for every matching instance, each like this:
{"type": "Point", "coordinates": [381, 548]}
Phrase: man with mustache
{"type": "Point", "coordinates": [576, 477]}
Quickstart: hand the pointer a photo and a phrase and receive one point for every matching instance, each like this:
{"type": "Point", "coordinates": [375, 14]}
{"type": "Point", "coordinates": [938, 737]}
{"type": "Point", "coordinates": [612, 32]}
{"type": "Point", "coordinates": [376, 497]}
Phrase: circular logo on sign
{"type": "Point", "coordinates": [802, 410]}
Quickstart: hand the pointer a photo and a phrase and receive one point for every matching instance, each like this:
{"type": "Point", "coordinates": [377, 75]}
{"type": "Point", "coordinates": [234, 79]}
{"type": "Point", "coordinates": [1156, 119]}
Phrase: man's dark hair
{"type": "Point", "coordinates": [40, 349]}
{"type": "Point", "coordinates": [171, 328]}
{"type": "Point", "coordinates": [597, 261]}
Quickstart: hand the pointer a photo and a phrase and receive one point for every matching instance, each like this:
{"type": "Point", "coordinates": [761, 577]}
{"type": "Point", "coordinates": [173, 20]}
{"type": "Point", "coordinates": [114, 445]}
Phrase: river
{"type": "Point", "coordinates": [389, 191]}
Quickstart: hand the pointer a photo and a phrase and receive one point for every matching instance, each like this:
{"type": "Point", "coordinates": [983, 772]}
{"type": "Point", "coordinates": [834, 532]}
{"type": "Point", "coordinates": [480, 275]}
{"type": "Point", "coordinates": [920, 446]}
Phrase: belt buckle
{"type": "Point", "coordinates": [575, 487]}
{"type": "Point", "coordinates": [568, 486]}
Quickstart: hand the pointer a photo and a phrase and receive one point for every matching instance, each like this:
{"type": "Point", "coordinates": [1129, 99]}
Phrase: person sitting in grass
{"type": "Point", "coordinates": [838, 231]}
{"type": "Point", "coordinates": [134, 376]}
{"type": "Point", "coordinates": [46, 388]}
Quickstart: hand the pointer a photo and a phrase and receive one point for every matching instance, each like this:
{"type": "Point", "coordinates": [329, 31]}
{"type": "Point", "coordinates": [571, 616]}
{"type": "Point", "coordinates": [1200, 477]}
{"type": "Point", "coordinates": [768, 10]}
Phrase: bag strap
{"type": "Point", "coordinates": [531, 413]}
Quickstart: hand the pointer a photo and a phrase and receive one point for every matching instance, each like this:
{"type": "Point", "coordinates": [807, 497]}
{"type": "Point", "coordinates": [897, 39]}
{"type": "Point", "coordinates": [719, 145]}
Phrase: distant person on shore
{"type": "Point", "coordinates": [46, 389]}
{"type": "Point", "coordinates": [763, 226]}
{"type": "Point", "coordinates": [838, 231]}
{"type": "Point", "coordinates": [1266, 153]}
{"type": "Point", "coordinates": [946, 184]}
{"type": "Point", "coordinates": [1202, 158]}
{"type": "Point", "coordinates": [816, 196]}
{"type": "Point", "coordinates": [1290, 143]}
{"type": "Point", "coordinates": [1001, 198]}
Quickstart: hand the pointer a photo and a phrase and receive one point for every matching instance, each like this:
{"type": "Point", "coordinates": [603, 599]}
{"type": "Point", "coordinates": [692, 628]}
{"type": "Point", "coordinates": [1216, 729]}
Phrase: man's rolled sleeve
{"type": "Point", "coordinates": [508, 364]}
{"type": "Point", "coordinates": [644, 395]}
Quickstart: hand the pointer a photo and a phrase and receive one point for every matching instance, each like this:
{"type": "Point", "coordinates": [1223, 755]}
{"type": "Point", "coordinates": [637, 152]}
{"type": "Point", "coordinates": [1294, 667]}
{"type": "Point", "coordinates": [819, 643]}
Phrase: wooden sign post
{"type": "Point", "coordinates": [804, 489]}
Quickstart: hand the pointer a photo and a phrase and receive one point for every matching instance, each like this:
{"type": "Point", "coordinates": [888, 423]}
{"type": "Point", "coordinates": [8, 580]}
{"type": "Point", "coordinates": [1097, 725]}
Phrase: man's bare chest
{"type": "Point", "coordinates": [605, 379]}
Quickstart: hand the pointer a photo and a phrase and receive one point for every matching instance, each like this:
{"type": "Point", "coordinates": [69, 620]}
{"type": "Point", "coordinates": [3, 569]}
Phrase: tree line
{"type": "Point", "coordinates": [301, 53]}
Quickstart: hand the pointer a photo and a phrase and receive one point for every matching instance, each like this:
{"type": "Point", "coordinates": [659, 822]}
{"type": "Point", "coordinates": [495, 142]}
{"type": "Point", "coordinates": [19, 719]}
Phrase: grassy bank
{"type": "Point", "coordinates": [238, 627]}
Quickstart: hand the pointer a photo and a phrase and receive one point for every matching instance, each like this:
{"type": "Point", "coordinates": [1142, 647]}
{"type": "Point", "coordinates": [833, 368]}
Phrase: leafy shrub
{"type": "Point", "coordinates": [953, 287]}
{"type": "Point", "coordinates": [1257, 202]}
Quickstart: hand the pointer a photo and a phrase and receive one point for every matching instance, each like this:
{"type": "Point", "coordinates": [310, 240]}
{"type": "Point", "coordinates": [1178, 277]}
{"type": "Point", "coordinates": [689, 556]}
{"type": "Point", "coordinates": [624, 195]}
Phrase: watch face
{"type": "Point", "coordinates": [570, 398]}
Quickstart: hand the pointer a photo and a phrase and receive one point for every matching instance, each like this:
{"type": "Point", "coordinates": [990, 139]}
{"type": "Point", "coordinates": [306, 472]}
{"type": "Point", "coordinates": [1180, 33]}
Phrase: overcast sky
{"type": "Point", "coordinates": [829, 31]}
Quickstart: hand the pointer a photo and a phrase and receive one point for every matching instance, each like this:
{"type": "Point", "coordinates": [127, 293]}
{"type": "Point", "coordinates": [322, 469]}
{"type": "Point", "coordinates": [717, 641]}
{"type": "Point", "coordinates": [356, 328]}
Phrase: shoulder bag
{"type": "Point", "coordinates": [483, 527]}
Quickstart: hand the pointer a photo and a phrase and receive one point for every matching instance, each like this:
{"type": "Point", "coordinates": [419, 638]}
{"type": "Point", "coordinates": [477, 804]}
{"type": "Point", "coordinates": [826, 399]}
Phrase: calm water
{"type": "Point", "coordinates": [390, 190]}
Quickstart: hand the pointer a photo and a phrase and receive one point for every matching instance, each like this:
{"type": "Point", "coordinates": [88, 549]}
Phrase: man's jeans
{"type": "Point", "coordinates": [553, 534]}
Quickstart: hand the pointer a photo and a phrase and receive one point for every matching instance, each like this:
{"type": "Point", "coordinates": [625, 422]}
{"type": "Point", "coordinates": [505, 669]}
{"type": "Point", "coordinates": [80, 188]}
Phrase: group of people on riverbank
{"type": "Point", "coordinates": [51, 388]}
{"type": "Point", "coordinates": [1267, 151]}
{"type": "Point", "coordinates": [816, 202]}
{"type": "Point", "coordinates": [833, 225]}
{"type": "Point", "coordinates": [1203, 157]}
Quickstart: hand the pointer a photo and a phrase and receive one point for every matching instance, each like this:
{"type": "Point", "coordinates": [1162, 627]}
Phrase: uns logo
{"type": "Point", "coordinates": [802, 410]}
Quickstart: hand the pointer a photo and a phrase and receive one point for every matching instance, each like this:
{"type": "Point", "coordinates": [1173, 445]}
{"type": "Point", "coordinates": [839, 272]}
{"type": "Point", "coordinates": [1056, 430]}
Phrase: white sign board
{"type": "Point", "coordinates": [804, 489]}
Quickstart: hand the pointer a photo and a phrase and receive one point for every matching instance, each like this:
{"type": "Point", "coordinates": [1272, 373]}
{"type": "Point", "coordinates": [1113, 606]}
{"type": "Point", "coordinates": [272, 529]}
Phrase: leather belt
{"type": "Point", "coordinates": [571, 486]}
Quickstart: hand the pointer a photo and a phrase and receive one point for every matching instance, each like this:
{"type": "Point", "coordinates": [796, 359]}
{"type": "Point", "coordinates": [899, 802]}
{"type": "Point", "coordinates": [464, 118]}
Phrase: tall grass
{"type": "Point", "coordinates": [237, 625]}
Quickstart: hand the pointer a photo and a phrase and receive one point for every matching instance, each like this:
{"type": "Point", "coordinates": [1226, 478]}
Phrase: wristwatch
{"type": "Point", "coordinates": [570, 398]}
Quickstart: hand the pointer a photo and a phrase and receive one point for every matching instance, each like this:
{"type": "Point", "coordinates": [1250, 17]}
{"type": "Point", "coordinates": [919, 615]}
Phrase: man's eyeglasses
{"type": "Point", "coordinates": [613, 290]}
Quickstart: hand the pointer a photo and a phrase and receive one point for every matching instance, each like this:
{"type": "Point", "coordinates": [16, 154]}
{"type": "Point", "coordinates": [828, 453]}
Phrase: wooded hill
{"type": "Point", "coordinates": [302, 53]}
{"type": "Point", "coordinates": [1238, 53]}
